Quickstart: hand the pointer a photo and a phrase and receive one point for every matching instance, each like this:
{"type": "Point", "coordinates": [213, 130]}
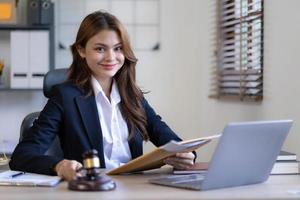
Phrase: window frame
{"type": "Point", "coordinates": [239, 54]}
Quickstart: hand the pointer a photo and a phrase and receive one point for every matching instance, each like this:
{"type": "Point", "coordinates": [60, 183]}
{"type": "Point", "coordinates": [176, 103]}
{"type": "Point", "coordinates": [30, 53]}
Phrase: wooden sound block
{"type": "Point", "coordinates": [98, 183]}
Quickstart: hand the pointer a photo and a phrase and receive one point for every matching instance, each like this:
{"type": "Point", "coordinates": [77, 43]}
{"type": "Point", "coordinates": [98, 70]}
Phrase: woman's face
{"type": "Point", "coordinates": [104, 54]}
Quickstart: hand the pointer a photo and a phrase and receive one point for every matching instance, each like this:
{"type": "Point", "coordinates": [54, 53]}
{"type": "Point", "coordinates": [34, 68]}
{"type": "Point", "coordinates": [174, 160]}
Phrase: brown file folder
{"type": "Point", "coordinates": [154, 159]}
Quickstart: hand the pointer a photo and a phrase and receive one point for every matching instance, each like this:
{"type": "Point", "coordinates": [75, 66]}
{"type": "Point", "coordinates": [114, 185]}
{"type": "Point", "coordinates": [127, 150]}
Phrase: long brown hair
{"type": "Point", "coordinates": [80, 73]}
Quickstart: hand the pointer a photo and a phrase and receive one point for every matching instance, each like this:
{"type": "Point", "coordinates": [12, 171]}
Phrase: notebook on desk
{"type": "Point", "coordinates": [18, 178]}
{"type": "Point", "coordinates": [245, 154]}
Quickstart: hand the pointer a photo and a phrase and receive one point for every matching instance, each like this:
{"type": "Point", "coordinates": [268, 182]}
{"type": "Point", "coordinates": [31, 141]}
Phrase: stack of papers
{"type": "Point", "coordinates": [17, 178]}
{"type": "Point", "coordinates": [286, 163]}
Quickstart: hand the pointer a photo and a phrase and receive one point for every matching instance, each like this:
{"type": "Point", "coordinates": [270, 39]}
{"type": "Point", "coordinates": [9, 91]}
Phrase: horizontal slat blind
{"type": "Point", "coordinates": [240, 50]}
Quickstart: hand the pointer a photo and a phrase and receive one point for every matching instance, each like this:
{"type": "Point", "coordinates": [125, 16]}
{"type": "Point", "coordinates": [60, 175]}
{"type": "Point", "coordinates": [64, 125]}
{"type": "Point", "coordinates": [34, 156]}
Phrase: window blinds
{"type": "Point", "coordinates": [240, 49]}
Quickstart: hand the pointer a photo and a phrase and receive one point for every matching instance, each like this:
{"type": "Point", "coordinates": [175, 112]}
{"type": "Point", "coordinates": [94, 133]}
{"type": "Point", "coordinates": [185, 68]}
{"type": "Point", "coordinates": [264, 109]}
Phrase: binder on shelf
{"type": "Point", "coordinates": [19, 44]}
{"type": "Point", "coordinates": [39, 57]}
{"type": "Point", "coordinates": [29, 58]}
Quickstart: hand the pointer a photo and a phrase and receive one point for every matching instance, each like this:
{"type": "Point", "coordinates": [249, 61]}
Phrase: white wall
{"type": "Point", "coordinates": [14, 106]}
{"type": "Point", "coordinates": [179, 75]}
{"type": "Point", "coordinates": [282, 66]}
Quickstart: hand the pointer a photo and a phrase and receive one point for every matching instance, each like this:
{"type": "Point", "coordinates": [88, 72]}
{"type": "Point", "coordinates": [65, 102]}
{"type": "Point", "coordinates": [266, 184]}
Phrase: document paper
{"type": "Point", "coordinates": [8, 178]}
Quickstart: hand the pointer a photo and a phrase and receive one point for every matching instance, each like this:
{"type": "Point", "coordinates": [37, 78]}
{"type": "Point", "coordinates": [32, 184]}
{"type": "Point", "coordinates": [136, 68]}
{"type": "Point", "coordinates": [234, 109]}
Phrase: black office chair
{"type": "Point", "coordinates": [52, 78]}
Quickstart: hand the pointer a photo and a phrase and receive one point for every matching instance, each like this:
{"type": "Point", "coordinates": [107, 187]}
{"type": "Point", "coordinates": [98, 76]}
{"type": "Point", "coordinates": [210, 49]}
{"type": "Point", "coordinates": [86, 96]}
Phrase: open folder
{"type": "Point", "coordinates": [18, 178]}
{"type": "Point", "coordinates": [154, 159]}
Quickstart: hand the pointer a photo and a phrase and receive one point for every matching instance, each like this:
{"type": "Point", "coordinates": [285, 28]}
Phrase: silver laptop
{"type": "Point", "coordinates": [245, 154]}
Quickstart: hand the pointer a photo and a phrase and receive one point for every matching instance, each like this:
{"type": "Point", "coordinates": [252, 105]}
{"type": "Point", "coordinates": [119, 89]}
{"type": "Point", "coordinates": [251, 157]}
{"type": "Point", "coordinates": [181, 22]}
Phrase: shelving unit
{"type": "Point", "coordinates": [23, 27]}
{"type": "Point", "coordinates": [10, 27]}
{"type": "Point", "coordinates": [16, 27]}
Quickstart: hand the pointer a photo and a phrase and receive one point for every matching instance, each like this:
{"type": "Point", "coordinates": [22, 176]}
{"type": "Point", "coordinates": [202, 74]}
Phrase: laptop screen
{"type": "Point", "coordinates": [246, 153]}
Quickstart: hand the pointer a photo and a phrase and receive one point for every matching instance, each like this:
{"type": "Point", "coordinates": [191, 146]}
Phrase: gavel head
{"type": "Point", "coordinates": [91, 163]}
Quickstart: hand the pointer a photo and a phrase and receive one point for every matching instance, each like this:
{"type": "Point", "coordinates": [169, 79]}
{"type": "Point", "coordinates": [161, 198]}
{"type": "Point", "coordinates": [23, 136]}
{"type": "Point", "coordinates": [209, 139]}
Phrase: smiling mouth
{"type": "Point", "coordinates": [108, 66]}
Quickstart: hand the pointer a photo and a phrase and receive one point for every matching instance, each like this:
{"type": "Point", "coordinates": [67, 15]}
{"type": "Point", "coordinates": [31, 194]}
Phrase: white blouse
{"type": "Point", "coordinates": [114, 127]}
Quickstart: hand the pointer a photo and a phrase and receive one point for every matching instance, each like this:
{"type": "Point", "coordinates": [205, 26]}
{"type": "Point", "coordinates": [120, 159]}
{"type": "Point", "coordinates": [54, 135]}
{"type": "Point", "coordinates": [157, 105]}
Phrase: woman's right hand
{"type": "Point", "coordinates": [67, 169]}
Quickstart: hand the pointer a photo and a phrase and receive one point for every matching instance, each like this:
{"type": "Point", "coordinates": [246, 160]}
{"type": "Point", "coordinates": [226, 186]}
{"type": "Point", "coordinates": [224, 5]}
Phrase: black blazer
{"type": "Point", "coordinates": [73, 116]}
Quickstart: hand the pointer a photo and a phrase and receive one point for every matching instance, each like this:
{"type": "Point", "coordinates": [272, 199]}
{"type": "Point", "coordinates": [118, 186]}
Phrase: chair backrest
{"type": "Point", "coordinates": [52, 78]}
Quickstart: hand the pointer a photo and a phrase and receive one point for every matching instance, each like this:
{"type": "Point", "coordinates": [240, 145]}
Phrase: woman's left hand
{"type": "Point", "coordinates": [181, 160]}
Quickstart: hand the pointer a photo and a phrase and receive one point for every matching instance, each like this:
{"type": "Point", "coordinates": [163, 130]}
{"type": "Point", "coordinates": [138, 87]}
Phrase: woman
{"type": "Point", "coordinates": [99, 107]}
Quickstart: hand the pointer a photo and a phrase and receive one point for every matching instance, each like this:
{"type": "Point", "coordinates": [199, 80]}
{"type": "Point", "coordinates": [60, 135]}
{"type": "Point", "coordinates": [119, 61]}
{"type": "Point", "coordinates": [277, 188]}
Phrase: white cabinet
{"type": "Point", "coordinates": [29, 58]}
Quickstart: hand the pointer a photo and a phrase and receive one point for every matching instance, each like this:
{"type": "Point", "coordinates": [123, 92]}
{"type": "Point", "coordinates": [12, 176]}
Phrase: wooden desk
{"type": "Point", "coordinates": [137, 187]}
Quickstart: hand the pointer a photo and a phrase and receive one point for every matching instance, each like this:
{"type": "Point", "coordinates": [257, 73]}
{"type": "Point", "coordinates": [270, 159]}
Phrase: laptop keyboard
{"type": "Point", "coordinates": [191, 181]}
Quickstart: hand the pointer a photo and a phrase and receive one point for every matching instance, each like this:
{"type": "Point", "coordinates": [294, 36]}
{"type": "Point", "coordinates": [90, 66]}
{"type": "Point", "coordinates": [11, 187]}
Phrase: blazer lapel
{"type": "Point", "coordinates": [89, 115]}
{"type": "Point", "coordinates": [136, 145]}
